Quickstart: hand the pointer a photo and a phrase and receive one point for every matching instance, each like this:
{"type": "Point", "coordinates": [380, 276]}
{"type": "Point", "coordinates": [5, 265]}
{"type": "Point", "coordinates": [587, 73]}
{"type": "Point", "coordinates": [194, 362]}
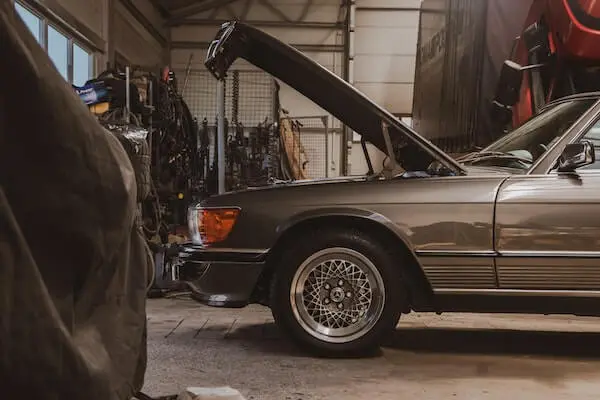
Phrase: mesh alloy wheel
{"type": "Point", "coordinates": [337, 295]}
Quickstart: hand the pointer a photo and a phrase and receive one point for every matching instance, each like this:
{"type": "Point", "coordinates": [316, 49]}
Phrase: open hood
{"type": "Point", "coordinates": [238, 40]}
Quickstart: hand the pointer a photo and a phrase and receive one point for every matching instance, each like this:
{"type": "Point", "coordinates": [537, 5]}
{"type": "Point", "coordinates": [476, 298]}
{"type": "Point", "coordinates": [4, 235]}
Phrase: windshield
{"type": "Point", "coordinates": [523, 146]}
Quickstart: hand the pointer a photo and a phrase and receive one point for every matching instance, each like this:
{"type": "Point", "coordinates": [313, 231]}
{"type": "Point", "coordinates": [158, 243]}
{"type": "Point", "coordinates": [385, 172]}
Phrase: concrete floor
{"type": "Point", "coordinates": [457, 356]}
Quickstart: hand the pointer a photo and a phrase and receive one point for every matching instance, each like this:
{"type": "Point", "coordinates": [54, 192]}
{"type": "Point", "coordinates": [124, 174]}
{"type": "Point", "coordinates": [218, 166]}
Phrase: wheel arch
{"type": "Point", "coordinates": [420, 290]}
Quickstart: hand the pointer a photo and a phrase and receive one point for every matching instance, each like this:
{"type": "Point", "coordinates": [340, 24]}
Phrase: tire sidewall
{"type": "Point", "coordinates": [376, 252]}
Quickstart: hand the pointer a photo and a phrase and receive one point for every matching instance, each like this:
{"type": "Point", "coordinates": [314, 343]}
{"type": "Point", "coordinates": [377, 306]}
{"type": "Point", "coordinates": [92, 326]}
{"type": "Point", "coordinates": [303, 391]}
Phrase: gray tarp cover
{"type": "Point", "coordinates": [73, 266]}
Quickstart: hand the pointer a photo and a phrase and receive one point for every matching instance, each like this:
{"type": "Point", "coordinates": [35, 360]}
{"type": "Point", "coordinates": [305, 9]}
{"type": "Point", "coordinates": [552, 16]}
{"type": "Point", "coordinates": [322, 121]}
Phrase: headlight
{"type": "Point", "coordinates": [211, 225]}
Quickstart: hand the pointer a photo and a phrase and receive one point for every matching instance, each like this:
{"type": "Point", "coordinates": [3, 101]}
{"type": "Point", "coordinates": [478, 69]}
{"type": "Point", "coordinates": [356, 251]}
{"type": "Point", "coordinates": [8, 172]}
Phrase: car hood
{"type": "Point", "coordinates": [310, 184]}
{"type": "Point", "coordinates": [238, 40]}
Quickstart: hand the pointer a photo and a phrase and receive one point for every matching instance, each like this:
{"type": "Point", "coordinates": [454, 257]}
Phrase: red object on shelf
{"type": "Point", "coordinates": [165, 74]}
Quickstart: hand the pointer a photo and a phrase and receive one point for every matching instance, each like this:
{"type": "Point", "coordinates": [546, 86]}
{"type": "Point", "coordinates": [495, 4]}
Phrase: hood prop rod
{"type": "Point", "coordinates": [363, 144]}
{"type": "Point", "coordinates": [395, 169]}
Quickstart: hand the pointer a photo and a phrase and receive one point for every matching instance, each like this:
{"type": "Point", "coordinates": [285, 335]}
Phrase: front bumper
{"type": "Point", "coordinates": [220, 278]}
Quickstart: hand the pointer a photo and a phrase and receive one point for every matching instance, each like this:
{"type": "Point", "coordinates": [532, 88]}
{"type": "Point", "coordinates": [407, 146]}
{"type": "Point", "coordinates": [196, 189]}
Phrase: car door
{"type": "Point", "coordinates": [547, 228]}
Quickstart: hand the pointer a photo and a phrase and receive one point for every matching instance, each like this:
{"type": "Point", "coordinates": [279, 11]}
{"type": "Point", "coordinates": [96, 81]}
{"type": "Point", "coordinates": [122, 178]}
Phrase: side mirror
{"type": "Point", "coordinates": [509, 84]}
{"type": "Point", "coordinates": [576, 155]}
{"type": "Point", "coordinates": [535, 37]}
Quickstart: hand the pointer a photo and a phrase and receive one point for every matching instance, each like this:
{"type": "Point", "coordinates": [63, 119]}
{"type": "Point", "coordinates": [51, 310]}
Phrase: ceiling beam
{"type": "Point", "coordinates": [275, 10]}
{"type": "Point", "coordinates": [246, 9]}
{"type": "Point", "coordinates": [159, 7]}
{"type": "Point", "coordinates": [260, 24]}
{"type": "Point", "coordinates": [316, 48]}
{"type": "Point", "coordinates": [145, 22]}
{"type": "Point", "coordinates": [380, 9]}
{"type": "Point", "coordinates": [198, 7]}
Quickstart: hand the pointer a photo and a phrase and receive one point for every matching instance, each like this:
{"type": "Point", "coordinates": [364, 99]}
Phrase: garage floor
{"type": "Point", "coordinates": [430, 357]}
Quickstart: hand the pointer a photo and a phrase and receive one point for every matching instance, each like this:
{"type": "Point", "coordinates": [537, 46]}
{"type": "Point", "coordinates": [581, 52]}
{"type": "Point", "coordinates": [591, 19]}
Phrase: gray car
{"type": "Point", "coordinates": [514, 227]}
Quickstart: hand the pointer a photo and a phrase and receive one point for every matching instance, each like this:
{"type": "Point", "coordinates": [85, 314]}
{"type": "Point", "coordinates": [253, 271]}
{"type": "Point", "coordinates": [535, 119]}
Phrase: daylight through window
{"type": "Point", "coordinates": [72, 60]}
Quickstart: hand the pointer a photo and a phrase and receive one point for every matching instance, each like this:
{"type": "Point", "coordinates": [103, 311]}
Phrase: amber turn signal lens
{"type": "Point", "coordinates": [216, 224]}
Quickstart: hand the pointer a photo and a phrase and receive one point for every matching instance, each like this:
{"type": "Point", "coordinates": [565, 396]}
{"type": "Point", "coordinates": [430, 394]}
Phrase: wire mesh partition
{"type": "Point", "coordinates": [251, 113]}
{"type": "Point", "coordinates": [250, 96]}
{"type": "Point", "coordinates": [314, 140]}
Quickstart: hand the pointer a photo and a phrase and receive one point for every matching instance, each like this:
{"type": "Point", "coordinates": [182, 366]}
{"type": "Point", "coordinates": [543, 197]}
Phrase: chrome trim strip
{"type": "Point", "coordinates": [198, 206]}
{"type": "Point", "coordinates": [455, 253]}
{"type": "Point", "coordinates": [550, 254]}
{"type": "Point", "coordinates": [519, 292]}
{"type": "Point", "coordinates": [225, 250]}
{"type": "Point", "coordinates": [212, 263]}
{"type": "Point", "coordinates": [508, 253]}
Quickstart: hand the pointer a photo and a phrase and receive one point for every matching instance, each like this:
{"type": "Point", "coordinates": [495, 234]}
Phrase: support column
{"type": "Point", "coordinates": [110, 36]}
{"type": "Point", "coordinates": [221, 136]}
{"type": "Point", "coordinates": [349, 27]}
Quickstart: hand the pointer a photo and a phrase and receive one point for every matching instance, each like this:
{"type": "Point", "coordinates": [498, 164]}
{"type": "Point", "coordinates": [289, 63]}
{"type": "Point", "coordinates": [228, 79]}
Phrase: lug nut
{"type": "Point", "coordinates": [349, 294]}
{"type": "Point", "coordinates": [326, 301]}
{"type": "Point", "coordinates": [340, 306]}
{"type": "Point", "coordinates": [327, 286]}
{"type": "Point", "coordinates": [341, 283]}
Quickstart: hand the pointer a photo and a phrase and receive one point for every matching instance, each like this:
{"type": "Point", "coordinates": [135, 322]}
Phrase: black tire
{"type": "Point", "coordinates": [283, 303]}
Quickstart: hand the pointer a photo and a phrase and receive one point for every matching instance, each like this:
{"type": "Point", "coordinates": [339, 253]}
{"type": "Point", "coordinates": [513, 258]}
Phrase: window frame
{"type": "Point", "coordinates": [45, 23]}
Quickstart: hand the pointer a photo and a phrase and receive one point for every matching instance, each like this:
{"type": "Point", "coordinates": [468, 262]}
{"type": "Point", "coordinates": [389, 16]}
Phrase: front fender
{"type": "Point", "coordinates": [351, 212]}
{"type": "Point", "coordinates": [420, 289]}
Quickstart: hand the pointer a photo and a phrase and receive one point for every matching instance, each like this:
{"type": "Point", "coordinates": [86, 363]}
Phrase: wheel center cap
{"type": "Point", "coordinates": [337, 295]}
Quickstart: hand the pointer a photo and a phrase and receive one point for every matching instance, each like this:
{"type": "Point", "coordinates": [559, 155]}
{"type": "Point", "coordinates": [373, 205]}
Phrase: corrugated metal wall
{"type": "Point", "coordinates": [384, 62]}
{"type": "Point", "coordinates": [385, 51]}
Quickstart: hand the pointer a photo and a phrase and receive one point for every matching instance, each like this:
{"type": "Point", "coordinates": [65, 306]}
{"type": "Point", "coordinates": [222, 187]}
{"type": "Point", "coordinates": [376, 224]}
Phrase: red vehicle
{"type": "Point", "coordinates": [558, 54]}
{"type": "Point", "coordinates": [485, 66]}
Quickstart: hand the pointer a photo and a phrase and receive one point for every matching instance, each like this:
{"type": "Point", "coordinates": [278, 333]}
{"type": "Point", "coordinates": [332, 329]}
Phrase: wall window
{"type": "Point", "coordinates": [72, 60]}
{"type": "Point", "coordinates": [82, 65]}
{"type": "Point", "coordinates": [33, 22]}
{"type": "Point", "coordinates": [58, 50]}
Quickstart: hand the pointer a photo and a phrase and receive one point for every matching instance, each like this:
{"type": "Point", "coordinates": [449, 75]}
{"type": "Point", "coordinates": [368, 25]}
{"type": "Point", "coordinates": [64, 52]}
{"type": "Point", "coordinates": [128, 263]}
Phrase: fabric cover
{"type": "Point", "coordinates": [73, 263]}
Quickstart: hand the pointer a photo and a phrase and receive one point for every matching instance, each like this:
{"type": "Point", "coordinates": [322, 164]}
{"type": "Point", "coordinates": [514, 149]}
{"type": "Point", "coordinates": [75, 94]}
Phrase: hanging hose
{"type": "Point", "coordinates": [156, 210]}
{"type": "Point", "coordinates": [235, 101]}
{"type": "Point", "coordinates": [151, 266]}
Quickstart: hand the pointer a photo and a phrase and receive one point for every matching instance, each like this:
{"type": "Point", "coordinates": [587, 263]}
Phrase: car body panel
{"type": "Point", "coordinates": [548, 232]}
{"type": "Point", "coordinates": [447, 221]}
{"type": "Point", "coordinates": [484, 233]}
{"type": "Point", "coordinates": [221, 284]}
